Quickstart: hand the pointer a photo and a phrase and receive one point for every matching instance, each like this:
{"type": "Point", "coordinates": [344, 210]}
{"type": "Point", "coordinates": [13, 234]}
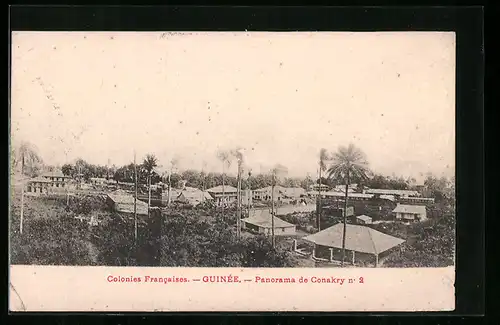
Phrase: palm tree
{"type": "Point", "coordinates": [323, 157]}
{"type": "Point", "coordinates": [349, 163]}
{"type": "Point", "coordinates": [149, 164]}
{"type": "Point", "coordinates": [225, 158]}
{"type": "Point", "coordinates": [238, 154]}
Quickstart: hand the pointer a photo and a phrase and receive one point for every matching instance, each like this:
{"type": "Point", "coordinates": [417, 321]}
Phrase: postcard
{"type": "Point", "coordinates": [232, 171]}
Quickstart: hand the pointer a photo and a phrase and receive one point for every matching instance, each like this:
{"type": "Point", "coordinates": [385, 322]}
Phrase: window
{"type": "Point", "coordinates": [282, 229]}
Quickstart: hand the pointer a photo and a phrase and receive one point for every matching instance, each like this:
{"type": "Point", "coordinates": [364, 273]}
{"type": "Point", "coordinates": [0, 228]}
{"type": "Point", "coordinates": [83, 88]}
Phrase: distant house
{"type": "Point", "coordinates": [260, 221]}
{"type": "Point", "coordinates": [395, 193]}
{"type": "Point", "coordinates": [415, 200]}
{"type": "Point", "coordinates": [293, 193]}
{"type": "Point", "coordinates": [193, 196]}
{"type": "Point", "coordinates": [97, 181]}
{"type": "Point", "coordinates": [361, 243]}
{"type": "Point", "coordinates": [123, 202]}
{"type": "Point", "coordinates": [266, 193]}
{"type": "Point", "coordinates": [410, 212]}
{"type": "Point", "coordinates": [350, 196]}
{"type": "Point", "coordinates": [316, 187]}
{"type": "Point", "coordinates": [38, 185]}
{"type": "Point", "coordinates": [363, 220]}
{"type": "Point", "coordinates": [57, 178]}
{"type": "Point", "coordinates": [223, 194]}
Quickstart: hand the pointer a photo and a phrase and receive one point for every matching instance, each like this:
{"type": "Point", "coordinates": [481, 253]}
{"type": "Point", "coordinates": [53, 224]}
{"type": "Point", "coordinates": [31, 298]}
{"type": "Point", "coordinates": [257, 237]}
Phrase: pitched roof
{"type": "Point", "coordinates": [364, 217]}
{"type": "Point", "coordinates": [55, 173]}
{"type": "Point", "coordinates": [342, 194]}
{"type": "Point", "coordinates": [413, 209]}
{"type": "Point", "coordinates": [293, 191]}
{"type": "Point", "coordinates": [389, 192]}
{"type": "Point", "coordinates": [265, 220]}
{"type": "Point", "coordinates": [219, 189]}
{"type": "Point", "coordinates": [358, 238]}
{"type": "Point", "coordinates": [124, 202]}
{"type": "Point", "coordinates": [39, 180]}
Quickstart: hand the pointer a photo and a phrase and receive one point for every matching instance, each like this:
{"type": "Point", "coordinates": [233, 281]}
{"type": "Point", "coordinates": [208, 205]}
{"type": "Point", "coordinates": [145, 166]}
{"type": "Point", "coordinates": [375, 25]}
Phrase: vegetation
{"type": "Point", "coordinates": [349, 164]}
{"type": "Point", "coordinates": [430, 243]}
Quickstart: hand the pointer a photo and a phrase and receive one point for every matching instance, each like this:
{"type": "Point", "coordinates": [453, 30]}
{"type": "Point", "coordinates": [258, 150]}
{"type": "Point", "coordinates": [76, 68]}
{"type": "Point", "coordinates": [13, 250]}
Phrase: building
{"type": "Point", "coordinates": [260, 221]}
{"type": "Point", "coordinates": [410, 212]}
{"type": "Point", "coordinates": [266, 193]}
{"type": "Point", "coordinates": [362, 244]}
{"type": "Point", "coordinates": [317, 187]}
{"type": "Point", "coordinates": [123, 202]}
{"type": "Point", "coordinates": [416, 200]}
{"type": "Point", "coordinates": [223, 194]}
{"type": "Point", "coordinates": [57, 178]}
{"type": "Point", "coordinates": [363, 220]}
{"type": "Point", "coordinates": [98, 181]}
{"type": "Point", "coordinates": [395, 193]}
{"type": "Point", "coordinates": [350, 196]}
{"type": "Point", "coordinates": [38, 185]}
{"type": "Point", "coordinates": [193, 196]}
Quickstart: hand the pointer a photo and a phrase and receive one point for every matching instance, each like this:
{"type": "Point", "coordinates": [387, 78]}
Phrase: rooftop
{"type": "Point", "coordinates": [358, 238]}
{"type": "Point", "coordinates": [55, 173]}
{"type": "Point", "coordinates": [364, 217]}
{"type": "Point", "coordinates": [222, 189]}
{"type": "Point", "coordinates": [265, 220]}
{"type": "Point", "coordinates": [413, 209]}
{"type": "Point", "coordinates": [393, 192]}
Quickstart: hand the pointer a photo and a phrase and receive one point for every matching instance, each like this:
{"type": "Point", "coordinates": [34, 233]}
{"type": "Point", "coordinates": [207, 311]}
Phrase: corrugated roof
{"type": "Point", "coordinates": [358, 238]}
{"type": "Point", "coordinates": [218, 189]}
{"type": "Point", "coordinates": [265, 221]}
{"type": "Point", "coordinates": [364, 217]}
{"type": "Point", "coordinates": [39, 180]}
{"type": "Point", "coordinates": [55, 173]}
{"type": "Point", "coordinates": [391, 192]}
{"type": "Point", "coordinates": [414, 209]}
{"type": "Point", "coordinates": [338, 194]}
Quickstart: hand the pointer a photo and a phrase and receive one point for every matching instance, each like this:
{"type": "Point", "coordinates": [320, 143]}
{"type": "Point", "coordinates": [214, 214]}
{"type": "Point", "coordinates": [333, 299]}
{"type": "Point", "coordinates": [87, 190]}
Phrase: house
{"type": "Point", "coordinates": [362, 244]}
{"type": "Point", "coordinates": [260, 221]}
{"type": "Point", "coordinates": [38, 185]}
{"type": "Point", "coordinates": [317, 187]}
{"type": "Point", "coordinates": [395, 193]}
{"type": "Point", "coordinates": [416, 200]}
{"type": "Point", "coordinates": [123, 202]}
{"type": "Point", "coordinates": [350, 196]}
{"type": "Point", "coordinates": [293, 193]}
{"type": "Point", "coordinates": [56, 178]}
{"type": "Point", "coordinates": [406, 212]}
{"type": "Point", "coordinates": [363, 220]}
{"type": "Point", "coordinates": [223, 194]}
{"type": "Point", "coordinates": [193, 196]}
{"type": "Point", "coordinates": [266, 193]}
{"type": "Point", "coordinates": [97, 181]}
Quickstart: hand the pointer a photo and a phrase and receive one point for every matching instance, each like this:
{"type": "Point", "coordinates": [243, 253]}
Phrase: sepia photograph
{"type": "Point", "coordinates": [239, 150]}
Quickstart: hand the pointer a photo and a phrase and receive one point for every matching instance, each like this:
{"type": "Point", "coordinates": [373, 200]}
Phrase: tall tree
{"type": "Point", "coordinates": [225, 158]}
{"type": "Point", "coordinates": [278, 173]}
{"type": "Point", "coordinates": [323, 157]}
{"type": "Point", "coordinates": [238, 154]}
{"type": "Point", "coordinates": [348, 163]}
{"type": "Point", "coordinates": [149, 164]}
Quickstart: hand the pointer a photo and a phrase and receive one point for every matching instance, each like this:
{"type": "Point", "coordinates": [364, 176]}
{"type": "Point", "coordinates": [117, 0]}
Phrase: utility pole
{"type": "Point", "coordinates": [272, 210]}
{"type": "Point", "coordinates": [319, 202]}
{"type": "Point", "coordinates": [22, 194]}
{"type": "Point", "coordinates": [238, 217]}
{"type": "Point", "coordinates": [345, 216]}
{"type": "Point", "coordinates": [135, 200]}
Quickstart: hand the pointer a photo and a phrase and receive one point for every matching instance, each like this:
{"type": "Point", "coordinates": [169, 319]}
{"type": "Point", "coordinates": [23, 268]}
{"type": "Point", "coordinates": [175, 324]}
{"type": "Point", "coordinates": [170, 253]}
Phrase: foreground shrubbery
{"type": "Point", "coordinates": [428, 244]}
{"type": "Point", "coordinates": [189, 237]}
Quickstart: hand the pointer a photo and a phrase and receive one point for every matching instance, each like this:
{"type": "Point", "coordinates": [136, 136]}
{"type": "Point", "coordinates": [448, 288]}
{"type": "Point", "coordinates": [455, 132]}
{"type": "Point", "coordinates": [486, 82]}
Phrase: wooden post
{"type": "Point", "coordinates": [331, 254]}
{"type": "Point", "coordinates": [294, 245]}
{"type": "Point", "coordinates": [376, 260]}
{"type": "Point", "coordinates": [135, 201]}
{"type": "Point", "coordinates": [353, 257]}
{"type": "Point", "coordinates": [314, 251]}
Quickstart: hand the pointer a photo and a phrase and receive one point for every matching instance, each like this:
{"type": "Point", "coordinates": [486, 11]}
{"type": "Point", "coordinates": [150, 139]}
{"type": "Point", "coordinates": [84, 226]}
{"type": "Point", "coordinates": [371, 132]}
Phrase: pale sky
{"type": "Point", "coordinates": [281, 96]}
